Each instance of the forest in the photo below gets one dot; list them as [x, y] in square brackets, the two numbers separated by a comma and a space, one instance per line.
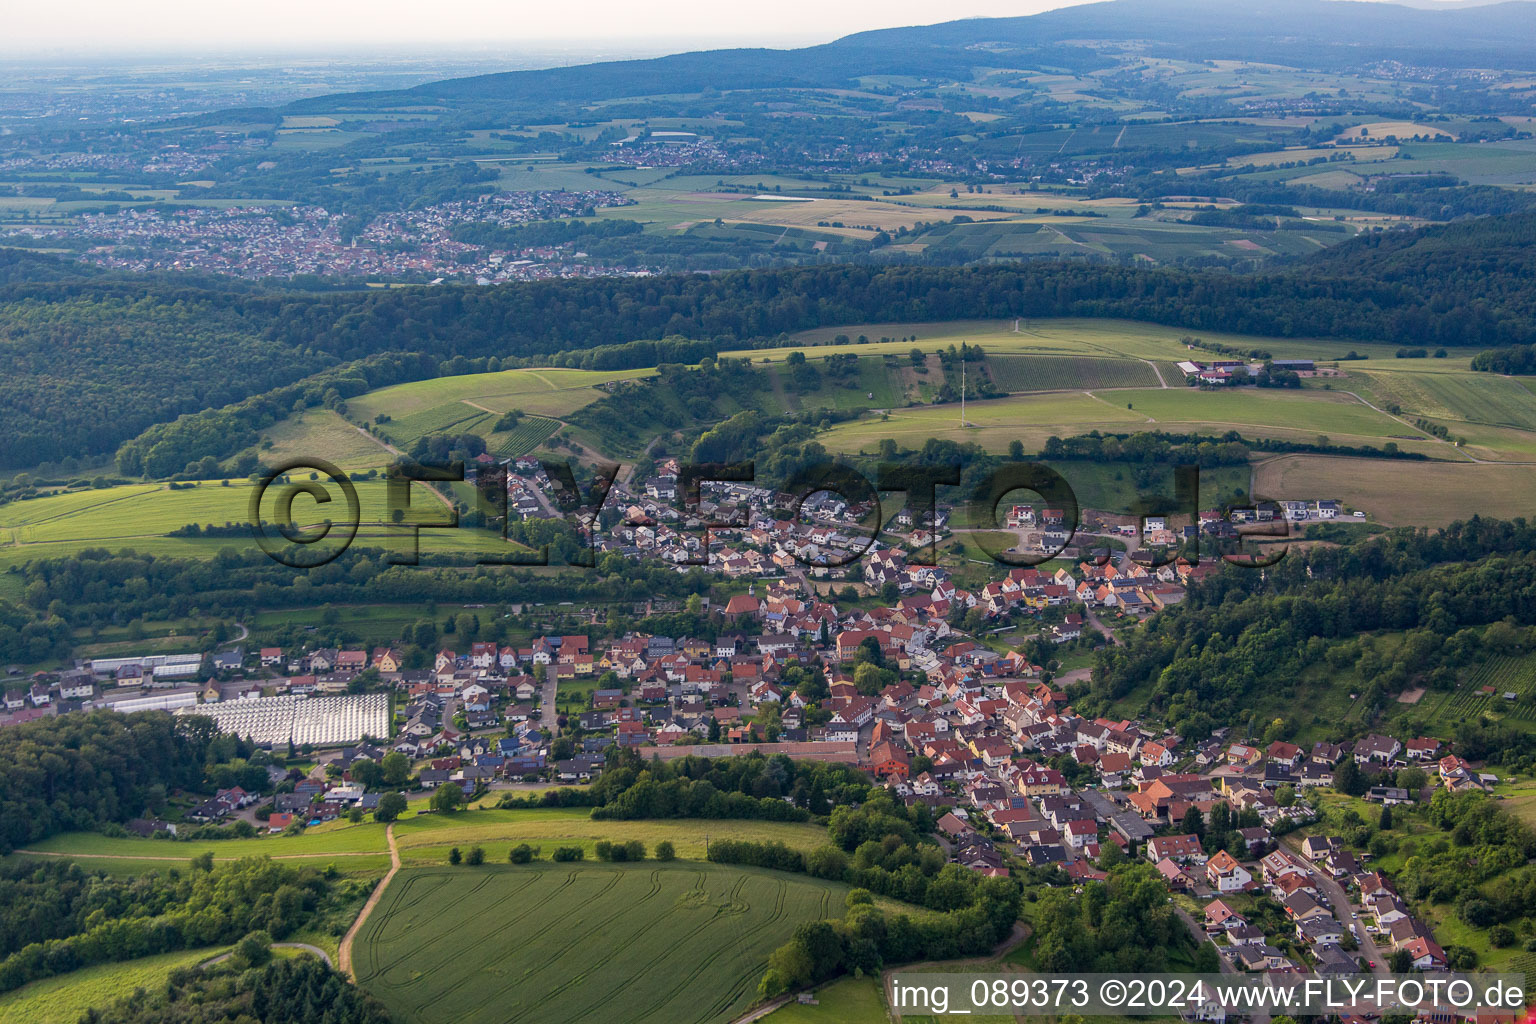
[81, 771]
[1121, 924]
[1242, 632]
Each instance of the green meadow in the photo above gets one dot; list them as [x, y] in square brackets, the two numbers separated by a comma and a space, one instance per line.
[65, 998]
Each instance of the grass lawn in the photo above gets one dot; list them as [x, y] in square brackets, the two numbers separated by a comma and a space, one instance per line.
[992, 423]
[544, 392]
[1520, 799]
[330, 839]
[1062, 336]
[1319, 412]
[1112, 487]
[671, 943]
[63, 999]
[322, 433]
[369, 622]
[845, 1001]
[425, 839]
[1451, 930]
[574, 694]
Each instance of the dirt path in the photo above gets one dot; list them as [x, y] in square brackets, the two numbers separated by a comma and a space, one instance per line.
[439, 495]
[345, 952]
[764, 1010]
[1430, 437]
[1112, 405]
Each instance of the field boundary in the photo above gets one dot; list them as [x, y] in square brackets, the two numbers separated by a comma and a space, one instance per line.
[344, 952]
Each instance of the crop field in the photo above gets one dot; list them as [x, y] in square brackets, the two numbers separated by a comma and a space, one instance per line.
[139, 510]
[427, 838]
[1506, 162]
[1025, 201]
[1054, 373]
[1300, 416]
[1150, 239]
[1473, 397]
[1063, 336]
[64, 998]
[530, 432]
[565, 944]
[1400, 493]
[1484, 690]
[454, 418]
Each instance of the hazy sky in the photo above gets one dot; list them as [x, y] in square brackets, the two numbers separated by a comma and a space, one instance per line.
[84, 26]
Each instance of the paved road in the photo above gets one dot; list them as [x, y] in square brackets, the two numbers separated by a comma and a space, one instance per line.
[1341, 909]
[1198, 933]
[345, 952]
[1098, 624]
[306, 947]
[547, 694]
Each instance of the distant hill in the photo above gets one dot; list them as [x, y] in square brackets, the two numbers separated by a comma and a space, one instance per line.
[1228, 27]
[1306, 33]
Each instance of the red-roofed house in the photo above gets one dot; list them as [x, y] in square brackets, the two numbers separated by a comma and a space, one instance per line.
[1180, 849]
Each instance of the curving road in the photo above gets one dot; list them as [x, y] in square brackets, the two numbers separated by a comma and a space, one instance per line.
[306, 947]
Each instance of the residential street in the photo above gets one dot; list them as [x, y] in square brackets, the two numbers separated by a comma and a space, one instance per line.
[547, 692]
[1339, 900]
[1098, 624]
[1199, 935]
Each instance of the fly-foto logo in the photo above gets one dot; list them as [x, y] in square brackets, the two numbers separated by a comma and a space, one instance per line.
[577, 497]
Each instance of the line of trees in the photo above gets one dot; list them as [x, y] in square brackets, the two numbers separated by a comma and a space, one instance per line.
[1518, 360]
[974, 913]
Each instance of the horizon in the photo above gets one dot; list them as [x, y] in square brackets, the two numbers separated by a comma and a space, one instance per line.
[174, 29]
